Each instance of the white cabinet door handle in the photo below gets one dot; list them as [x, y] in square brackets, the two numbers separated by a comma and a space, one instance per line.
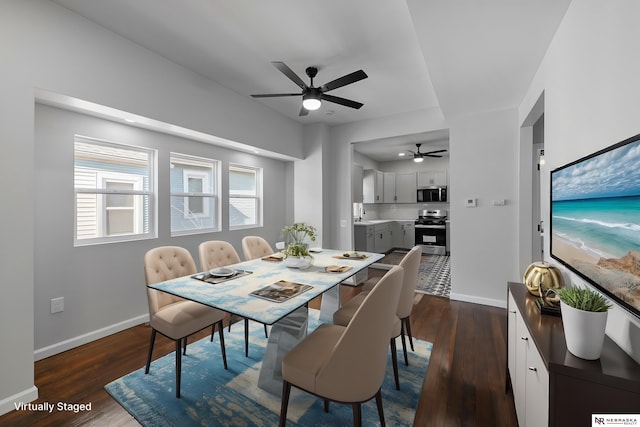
[524, 338]
[512, 311]
[531, 368]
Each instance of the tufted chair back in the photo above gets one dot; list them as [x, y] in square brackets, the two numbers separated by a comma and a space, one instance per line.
[217, 253]
[165, 263]
[411, 264]
[255, 247]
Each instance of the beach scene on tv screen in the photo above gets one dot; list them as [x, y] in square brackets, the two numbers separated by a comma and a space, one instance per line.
[595, 220]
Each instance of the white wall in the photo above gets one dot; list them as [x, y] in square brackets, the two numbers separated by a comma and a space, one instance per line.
[103, 285]
[308, 178]
[589, 77]
[484, 166]
[45, 46]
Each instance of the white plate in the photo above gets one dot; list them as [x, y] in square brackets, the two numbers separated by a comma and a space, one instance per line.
[315, 250]
[222, 272]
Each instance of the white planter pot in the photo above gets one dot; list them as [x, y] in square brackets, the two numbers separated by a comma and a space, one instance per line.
[300, 262]
[584, 331]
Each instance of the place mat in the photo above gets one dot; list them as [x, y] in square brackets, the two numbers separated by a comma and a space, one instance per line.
[273, 257]
[337, 268]
[214, 280]
[348, 255]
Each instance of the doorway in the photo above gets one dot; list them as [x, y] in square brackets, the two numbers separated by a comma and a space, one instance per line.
[532, 179]
[537, 229]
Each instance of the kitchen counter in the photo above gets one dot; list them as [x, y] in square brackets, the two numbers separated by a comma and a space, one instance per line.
[373, 221]
[380, 221]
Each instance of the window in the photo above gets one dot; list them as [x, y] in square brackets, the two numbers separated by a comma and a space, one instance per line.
[245, 194]
[114, 200]
[194, 195]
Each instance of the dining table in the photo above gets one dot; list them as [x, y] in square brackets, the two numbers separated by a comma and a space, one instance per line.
[266, 290]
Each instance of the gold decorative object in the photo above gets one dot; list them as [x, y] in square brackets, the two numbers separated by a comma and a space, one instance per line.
[541, 277]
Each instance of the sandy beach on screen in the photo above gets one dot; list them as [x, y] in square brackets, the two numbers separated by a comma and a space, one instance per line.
[569, 252]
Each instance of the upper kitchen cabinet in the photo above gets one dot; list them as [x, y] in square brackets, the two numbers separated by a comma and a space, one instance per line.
[399, 187]
[372, 189]
[357, 181]
[429, 178]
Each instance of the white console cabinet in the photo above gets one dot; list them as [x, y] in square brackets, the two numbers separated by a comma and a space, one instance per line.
[529, 377]
[553, 387]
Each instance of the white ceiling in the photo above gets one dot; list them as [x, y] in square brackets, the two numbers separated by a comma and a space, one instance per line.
[461, 56]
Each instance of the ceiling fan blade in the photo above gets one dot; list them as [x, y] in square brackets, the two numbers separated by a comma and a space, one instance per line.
[431, 155]
[284, 69]
[344, 80]
[341, 101]
[272, 95]
[434, 152]
[303, 112]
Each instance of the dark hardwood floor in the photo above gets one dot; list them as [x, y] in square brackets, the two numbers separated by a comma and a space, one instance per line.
[464, 385]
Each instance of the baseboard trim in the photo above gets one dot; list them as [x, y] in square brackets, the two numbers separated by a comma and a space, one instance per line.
[43, 353]
[478, 300]
[9, 404]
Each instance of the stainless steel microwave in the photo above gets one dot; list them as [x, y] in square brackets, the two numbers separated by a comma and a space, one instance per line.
[432, 194]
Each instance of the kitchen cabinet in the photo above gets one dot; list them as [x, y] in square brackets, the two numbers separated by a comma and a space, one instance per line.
[357, 181]
[553, 387]
[399, 187]
[403, 234]
[364, 238]
[389, 188]
[383, 237]
[396, 234]
[408, 234]
[429, 178]
[372, 186]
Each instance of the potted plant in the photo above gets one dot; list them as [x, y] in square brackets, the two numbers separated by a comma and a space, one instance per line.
[584, 316]
[296, 252]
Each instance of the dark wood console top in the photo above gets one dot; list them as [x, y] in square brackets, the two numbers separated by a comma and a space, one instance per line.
[615, 368]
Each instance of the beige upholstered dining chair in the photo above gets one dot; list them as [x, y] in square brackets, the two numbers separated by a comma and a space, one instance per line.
[347, 363]
[255, 247]
[174, 317]
[218, 253]
[401, 323]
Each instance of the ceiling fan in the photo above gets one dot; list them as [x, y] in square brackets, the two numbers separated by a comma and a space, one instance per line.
[418, 156]
[312, 97]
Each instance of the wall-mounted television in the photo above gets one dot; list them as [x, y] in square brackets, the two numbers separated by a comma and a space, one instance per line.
[595, 220]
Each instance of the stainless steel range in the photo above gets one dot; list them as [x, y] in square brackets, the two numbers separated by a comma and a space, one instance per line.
[431, 231]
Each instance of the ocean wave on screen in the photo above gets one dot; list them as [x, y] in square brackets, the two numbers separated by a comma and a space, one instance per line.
[582, 246]
[625, 226]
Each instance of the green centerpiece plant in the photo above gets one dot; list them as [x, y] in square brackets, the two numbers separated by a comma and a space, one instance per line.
[297, 250]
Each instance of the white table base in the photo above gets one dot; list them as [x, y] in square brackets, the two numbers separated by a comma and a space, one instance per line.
[285, 334]
[331, 302]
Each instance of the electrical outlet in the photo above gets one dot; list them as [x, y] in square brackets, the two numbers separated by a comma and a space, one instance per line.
[57, 305]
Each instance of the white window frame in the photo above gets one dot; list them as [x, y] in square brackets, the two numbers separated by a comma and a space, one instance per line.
[257, 197]
[137, 181]
[210, 189]
[188, 174]
[138, 191]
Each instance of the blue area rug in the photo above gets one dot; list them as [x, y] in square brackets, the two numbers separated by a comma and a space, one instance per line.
[212, 396]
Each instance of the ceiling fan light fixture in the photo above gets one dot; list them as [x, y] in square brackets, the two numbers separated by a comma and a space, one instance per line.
[311, 104]
[418, 159]
[311, 99]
